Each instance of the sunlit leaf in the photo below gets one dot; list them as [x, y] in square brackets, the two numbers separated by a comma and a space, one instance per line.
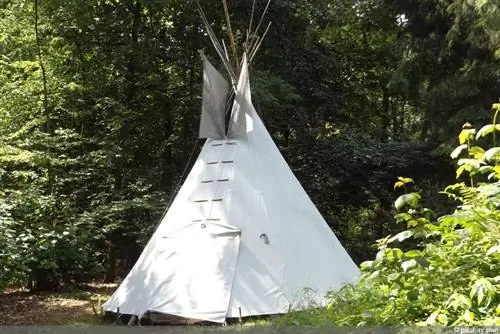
[457, 301]
[398, 184]
[409, 264]
[457, 151]
[493, 250]
[442, 319]
[412, 223]
[469, 316]
[487, 129]
[402, 236]
[465, 135]
[477, 152]
[366, 265]
[405, 179]
[474, 163]
[393, 276]
[492, 154]
[411, 200]
[402, 181]
[413, 253]
[482, 288]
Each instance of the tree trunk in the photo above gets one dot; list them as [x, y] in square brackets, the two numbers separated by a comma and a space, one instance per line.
[386, 123]
[111, 261]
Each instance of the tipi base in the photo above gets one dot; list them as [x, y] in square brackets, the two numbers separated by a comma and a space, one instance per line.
[161, 319]
[154, 319]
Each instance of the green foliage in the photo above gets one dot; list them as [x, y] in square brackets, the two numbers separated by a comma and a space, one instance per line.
[44, 242]
[436, 271]
[450, 64]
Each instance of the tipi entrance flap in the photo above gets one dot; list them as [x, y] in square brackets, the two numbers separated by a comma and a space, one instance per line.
[199, 267]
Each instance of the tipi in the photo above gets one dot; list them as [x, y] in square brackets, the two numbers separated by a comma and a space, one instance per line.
[242, 237]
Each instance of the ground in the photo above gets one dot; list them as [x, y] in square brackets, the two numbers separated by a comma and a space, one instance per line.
[73, 306]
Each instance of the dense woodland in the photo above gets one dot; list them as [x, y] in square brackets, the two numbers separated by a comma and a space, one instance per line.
[99, 113]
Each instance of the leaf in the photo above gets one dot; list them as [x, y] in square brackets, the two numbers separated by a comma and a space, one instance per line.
[456, 152]
[413, 253]
[485, 169]
[477, 152]
[468, 316]
[393, 276]
[474, 163]
[442, 318]
[410, 200]
[366, 265]
[410, 264]
[403, 217]
[402, 182]
[422, 261]
[487, 129]
[465, 135]
[493, 250]
[457, 301]
[405, 179]
[402, 236]
[431, 320]
[391, 254]
[398, 184]
[492, 154]
[375, 274]
[395, 253]
[460, 170]
[482, 288]
[412, 223]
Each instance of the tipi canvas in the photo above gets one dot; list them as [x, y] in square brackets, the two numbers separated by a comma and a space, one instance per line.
[242, 237]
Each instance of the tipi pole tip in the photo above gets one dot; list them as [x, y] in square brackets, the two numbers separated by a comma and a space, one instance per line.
[230, 31]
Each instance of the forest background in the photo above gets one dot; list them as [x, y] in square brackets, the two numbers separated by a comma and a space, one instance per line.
[100, 103]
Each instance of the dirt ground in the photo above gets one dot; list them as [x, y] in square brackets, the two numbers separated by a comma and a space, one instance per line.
[70, 307]
[75, 306]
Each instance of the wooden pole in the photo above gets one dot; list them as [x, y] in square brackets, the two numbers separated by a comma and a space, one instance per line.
[231, 35]
[249, 31]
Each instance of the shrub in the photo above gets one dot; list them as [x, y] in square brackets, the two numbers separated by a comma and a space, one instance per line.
[438, 270]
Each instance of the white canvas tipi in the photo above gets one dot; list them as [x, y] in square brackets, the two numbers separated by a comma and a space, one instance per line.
[242, 237]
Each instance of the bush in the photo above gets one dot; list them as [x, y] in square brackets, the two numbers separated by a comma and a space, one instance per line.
[438, 270]
[36, 253]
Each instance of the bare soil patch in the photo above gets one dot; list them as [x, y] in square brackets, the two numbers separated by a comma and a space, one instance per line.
[70, 307]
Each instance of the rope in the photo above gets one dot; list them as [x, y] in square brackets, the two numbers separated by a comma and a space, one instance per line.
[177, 187]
